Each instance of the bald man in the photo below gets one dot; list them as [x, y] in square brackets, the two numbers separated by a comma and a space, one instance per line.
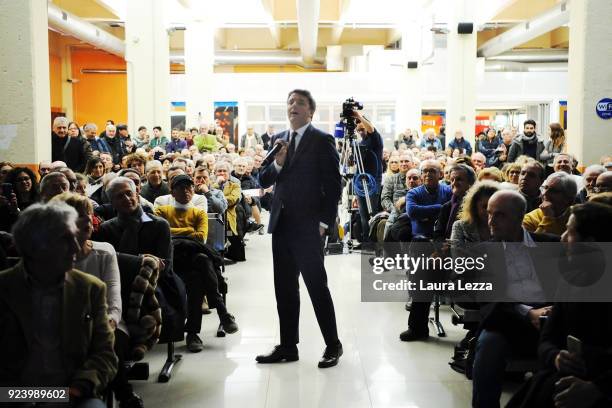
[509, 328]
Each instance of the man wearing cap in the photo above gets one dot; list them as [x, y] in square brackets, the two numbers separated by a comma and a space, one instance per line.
[187, 220]
[197, 200]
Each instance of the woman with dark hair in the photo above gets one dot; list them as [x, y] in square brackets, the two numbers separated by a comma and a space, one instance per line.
[94, 170]
[24, 193]
[74, 130]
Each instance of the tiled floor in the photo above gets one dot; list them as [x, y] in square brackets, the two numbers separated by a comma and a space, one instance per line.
[377, 370]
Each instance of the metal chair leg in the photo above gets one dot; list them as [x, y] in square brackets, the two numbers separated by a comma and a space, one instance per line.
[171, 360]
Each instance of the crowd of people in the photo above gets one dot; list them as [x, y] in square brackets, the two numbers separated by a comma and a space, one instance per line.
[511, 188]
[137, 213]
[126, 206]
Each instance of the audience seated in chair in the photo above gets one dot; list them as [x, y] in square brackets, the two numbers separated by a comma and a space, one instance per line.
[155, 186]
[216, 200]
[509, 329]
[393, 196]
[193, 265]
[137, 236]
[100, 260]
[423, 205]
[235, 224]
[197, 200]
[558, 194]
[55, 326]
[569, 379]
[53, 184]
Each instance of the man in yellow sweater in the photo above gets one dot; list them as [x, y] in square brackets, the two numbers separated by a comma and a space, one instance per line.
[558, 195]
[184, 218]
[199, 274]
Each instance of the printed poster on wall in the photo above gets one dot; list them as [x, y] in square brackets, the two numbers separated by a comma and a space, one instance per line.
[226, 116]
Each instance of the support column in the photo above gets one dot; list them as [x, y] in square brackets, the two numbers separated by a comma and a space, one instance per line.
[147, 57]
[67, 102]
[199, 70]
[461, 103]
[410, 97]
[25, 117]
[590, 70]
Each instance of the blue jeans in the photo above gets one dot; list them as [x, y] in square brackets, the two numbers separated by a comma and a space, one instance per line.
[492, 351]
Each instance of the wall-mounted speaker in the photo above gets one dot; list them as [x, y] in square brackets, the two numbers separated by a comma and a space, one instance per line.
[465, 28]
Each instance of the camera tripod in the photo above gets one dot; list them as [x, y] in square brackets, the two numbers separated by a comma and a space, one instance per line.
[353, 171]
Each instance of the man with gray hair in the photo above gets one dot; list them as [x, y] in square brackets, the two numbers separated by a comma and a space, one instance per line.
[116, 146]
[565, 162]
[430, 140]
[423, 206]
[54, 183]
[75, 152]
[97, 144]
[589, 178]
[509, 328]
[133, 231]
[558, 194]
[393, 195]
[54, 319]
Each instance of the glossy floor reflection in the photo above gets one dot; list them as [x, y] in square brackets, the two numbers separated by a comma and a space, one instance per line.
[377, 370]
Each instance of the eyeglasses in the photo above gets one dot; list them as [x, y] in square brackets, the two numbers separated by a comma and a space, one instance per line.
[429, 171]
[601, 189]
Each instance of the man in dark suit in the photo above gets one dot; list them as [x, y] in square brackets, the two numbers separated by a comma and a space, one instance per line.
[510, 327]
[307, 182]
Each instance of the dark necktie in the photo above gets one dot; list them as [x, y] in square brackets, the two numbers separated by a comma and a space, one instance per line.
[291, 148]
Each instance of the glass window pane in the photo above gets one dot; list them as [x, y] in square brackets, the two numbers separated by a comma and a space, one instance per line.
[256, 113]
[278, 113]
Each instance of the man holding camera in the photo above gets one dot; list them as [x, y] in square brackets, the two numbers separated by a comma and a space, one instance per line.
[306, 176]
[371, 147]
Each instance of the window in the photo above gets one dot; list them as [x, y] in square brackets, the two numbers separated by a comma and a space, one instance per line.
[261, 114]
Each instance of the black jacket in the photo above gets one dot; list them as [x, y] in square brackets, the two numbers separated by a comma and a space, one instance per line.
[75, 152]
[307, 189]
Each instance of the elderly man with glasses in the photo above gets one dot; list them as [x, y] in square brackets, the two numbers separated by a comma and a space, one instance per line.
[558, 194]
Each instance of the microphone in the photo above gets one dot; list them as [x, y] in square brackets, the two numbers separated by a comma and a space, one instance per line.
[270, 156]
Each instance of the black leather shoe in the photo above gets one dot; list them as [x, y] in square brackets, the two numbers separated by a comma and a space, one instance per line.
[411, 335]
[279, 354]
[331, 356]
[132, 400]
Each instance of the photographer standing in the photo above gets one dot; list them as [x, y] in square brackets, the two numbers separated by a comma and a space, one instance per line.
[371, 147]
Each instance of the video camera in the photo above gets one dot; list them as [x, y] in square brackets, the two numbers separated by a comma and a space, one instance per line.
[348, 120]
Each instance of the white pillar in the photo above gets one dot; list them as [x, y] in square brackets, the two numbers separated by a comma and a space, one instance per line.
[148, 64]
[410, 96]
[590, 80]
[199, 70]
[461, 103]
[25, 117]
